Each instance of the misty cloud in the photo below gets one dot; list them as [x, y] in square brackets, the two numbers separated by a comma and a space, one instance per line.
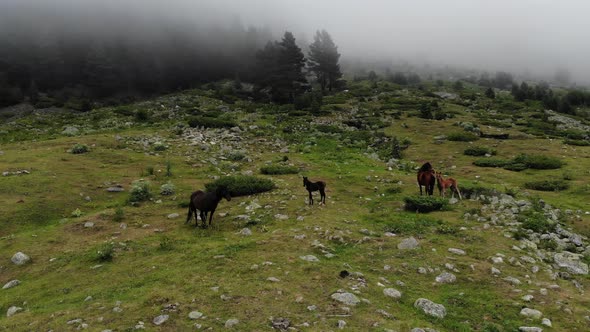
[537, 36]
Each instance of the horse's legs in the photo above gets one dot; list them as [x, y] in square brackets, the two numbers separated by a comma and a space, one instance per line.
[310, 198]
[190, 214]
[211, 216]
[322, 196]
[203, 219]
[419, 185]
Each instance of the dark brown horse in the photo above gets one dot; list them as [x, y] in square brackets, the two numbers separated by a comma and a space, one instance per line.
[443, 184]
[315, 186]
[206, 202]
[426, 178]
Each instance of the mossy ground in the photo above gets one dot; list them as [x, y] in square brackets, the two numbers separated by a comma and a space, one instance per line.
[217, 271]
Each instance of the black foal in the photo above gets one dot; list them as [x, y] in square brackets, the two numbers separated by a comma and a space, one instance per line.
[315, 186]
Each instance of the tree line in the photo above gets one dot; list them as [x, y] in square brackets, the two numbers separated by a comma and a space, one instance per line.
[57, 68]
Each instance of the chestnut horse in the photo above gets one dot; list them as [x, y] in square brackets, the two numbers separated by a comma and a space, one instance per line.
[426, 178]
[206, 202]
[443, 184]
[315, 186]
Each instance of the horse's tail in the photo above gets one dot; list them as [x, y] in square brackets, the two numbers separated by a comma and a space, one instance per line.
[190, 213]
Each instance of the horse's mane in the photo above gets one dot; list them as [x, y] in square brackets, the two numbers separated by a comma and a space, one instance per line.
[426, 167]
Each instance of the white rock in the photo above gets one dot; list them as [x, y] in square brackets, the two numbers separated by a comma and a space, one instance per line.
[231, 322]
[408, 243]
[20, 258]
[456, 251]
[546, 322]
[446, 278]
[173, 215]
[195, 315]
[430, 308]
[159, 320]
[13, 310]
[392, 292]
[346, 298]
[531, 313]
[309, 258]
[11, 283]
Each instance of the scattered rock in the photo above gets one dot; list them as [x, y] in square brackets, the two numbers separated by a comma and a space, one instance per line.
[546, 322]
[245, 232]
[20, 258]
[341, 324]
[173, 215]
[309, 258]
[393, 293]
[115, 189]
[531, 313]
[446, 278]
[530, 329]
[430, 308]
[13, 310]
[88, 224]
[11, 283]
[570, 262]
[346, 298]
[408, 243]
[231, 322]
[456, 251]
[159, 320]
[195, 315]
[281, 324]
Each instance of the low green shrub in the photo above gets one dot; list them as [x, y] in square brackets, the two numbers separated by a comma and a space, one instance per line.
[241, 185]
[475, 190]
[411, 224]
[119, 214]
[548, 244]
[536, 221]
[393, 190]
[478, 151]
[490, 162]
[236, 156]
[79, 149]
[210, 122]
[278, 170]
[104, 252]
[547, 185]
[167, 189]
[425, 203]
[577, 142]
[140, 191]
[538, 161]
[462, 137]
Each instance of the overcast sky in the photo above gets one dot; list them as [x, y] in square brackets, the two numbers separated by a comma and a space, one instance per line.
[515, 35]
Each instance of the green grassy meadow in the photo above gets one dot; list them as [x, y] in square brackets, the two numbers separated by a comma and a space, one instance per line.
[159, 265]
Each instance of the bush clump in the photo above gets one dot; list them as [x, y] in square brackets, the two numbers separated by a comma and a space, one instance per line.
[210, 122]
[479, 151]
[462, 137]
[278, 170]
[79, 149]
[537, 222]
[491, 162]
[140, 191]
[547, 185]
[425, 203]
[104, 253]
[241, 185]
[411, 225]
[577, 142]
[538, 161]
[167, 189]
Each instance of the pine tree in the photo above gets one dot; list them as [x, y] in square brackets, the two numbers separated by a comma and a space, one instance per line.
[490, 93]
[291, 61]
[323, 60]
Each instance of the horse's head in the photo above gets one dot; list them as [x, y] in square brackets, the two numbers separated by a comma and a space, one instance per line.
[305, 180]
[223, 192]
